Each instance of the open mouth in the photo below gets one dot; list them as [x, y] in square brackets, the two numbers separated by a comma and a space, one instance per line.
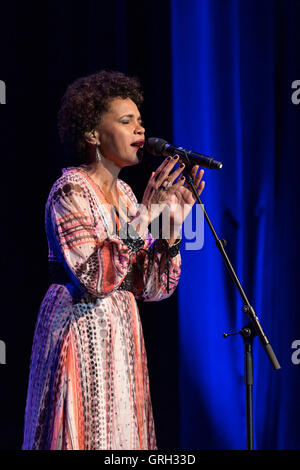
[138, 144]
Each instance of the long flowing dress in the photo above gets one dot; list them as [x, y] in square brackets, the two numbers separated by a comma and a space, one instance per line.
[88, 380]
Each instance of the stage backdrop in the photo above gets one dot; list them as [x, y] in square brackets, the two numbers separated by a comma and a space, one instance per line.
[234, 64]
[217, 76]
[44, 48]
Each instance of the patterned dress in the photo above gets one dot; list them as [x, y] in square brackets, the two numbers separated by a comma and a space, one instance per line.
[88, 382]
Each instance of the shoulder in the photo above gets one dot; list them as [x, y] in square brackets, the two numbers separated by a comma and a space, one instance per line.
[71, 182]
[71, 176]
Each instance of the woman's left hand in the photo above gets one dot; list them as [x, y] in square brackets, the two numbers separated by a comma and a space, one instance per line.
[181, 201]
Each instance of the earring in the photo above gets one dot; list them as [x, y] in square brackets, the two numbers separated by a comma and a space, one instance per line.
[98, 154]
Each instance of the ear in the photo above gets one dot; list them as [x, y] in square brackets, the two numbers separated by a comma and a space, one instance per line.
[92, 137]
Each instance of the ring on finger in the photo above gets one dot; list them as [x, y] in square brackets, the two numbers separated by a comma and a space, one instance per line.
[166, 185]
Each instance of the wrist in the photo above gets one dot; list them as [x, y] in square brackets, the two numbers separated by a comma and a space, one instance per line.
[175, 235]
[172, 241]
[131, 237]
[163, 246]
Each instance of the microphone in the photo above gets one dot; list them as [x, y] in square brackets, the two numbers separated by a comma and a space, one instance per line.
[160, 147]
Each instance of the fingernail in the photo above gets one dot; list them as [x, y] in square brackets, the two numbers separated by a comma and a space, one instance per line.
[182, 178]
[181, 165]
[169, 158]
[175, 157]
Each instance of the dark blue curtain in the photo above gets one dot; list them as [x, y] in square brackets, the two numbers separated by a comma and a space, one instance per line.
[233, 67]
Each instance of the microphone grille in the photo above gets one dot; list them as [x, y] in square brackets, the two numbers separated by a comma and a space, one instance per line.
[155, 145]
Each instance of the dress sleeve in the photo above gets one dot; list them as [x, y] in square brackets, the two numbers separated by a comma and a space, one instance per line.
[160, 268]
[99, 261]
[156, 267]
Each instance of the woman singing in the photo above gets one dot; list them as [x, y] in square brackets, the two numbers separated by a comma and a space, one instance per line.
[88, 383]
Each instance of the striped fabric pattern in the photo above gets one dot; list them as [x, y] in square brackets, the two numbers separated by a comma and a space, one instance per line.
[88, 381]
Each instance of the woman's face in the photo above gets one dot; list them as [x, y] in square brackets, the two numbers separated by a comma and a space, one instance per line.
[121, 133]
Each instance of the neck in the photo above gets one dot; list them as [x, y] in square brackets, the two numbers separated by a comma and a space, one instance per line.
[105, 174]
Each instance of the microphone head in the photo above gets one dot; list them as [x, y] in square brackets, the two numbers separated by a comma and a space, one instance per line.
[155, 146]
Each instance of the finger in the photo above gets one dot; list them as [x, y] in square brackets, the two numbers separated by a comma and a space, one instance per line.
[199, 178]
[195, 171]
[162, 166]
[149, 184]
[197, 175]
[164, 173]
[201, 187]
[194, 175]
[179, 183]
[176, 173]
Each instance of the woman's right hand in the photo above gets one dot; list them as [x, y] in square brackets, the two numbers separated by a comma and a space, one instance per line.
[157, 194]
[161, 186]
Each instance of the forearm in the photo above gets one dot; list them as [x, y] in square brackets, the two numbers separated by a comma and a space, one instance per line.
[143, 218]
[174, 233]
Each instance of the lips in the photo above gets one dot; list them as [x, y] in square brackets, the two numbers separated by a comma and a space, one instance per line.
[138, 144]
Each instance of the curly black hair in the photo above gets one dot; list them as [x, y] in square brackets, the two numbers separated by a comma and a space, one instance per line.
[86, 100]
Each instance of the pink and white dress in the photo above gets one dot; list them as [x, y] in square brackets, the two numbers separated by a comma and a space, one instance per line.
[88, 382]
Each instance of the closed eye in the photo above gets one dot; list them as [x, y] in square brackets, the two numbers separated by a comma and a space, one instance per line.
[131, 117]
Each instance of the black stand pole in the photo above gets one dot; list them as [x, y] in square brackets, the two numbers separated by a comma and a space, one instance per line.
[248, 334]
[255, 326]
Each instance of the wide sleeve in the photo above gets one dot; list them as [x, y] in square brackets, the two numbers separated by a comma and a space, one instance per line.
[92, 257]
[159, 268]
[156, 268]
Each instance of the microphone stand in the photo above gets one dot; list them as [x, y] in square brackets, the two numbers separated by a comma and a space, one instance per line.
[249, 331]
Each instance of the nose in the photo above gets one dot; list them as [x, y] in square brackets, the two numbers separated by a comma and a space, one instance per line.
[139, 129]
